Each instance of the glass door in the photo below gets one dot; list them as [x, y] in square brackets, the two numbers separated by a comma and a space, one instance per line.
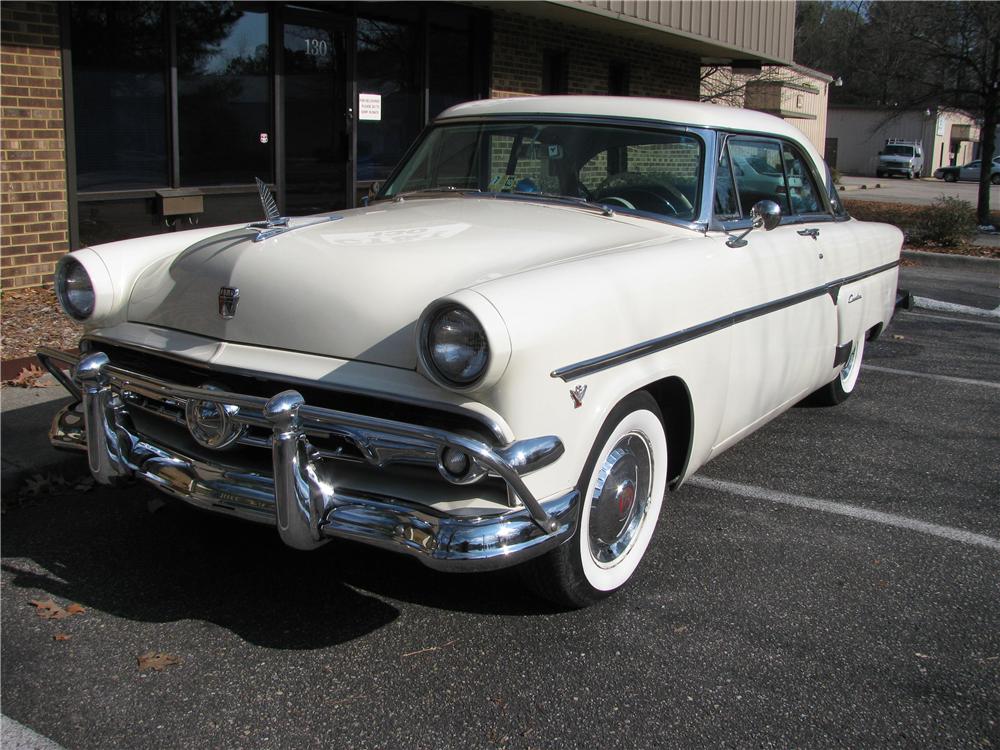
[317, 121]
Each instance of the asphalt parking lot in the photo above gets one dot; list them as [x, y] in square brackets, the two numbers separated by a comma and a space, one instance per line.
[832, 581]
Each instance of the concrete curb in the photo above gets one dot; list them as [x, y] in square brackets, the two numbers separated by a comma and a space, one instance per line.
[947, 260]
[15, 736]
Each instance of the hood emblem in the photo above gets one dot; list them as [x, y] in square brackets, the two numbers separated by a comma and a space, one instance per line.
[229, 298]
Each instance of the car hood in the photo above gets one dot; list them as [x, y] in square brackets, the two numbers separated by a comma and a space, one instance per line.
[353, 288]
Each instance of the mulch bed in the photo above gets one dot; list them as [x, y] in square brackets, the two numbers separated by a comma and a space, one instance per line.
[30, 318]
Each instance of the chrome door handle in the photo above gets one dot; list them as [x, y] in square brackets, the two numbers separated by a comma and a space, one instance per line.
[814, 233]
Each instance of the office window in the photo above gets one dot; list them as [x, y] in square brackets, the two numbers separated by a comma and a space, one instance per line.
[387, 69]
[223, 94]
[119, 95]
[555, 73]
[451, 69]
[618, 79]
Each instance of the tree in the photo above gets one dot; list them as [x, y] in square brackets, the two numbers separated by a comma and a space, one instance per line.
[911, 55]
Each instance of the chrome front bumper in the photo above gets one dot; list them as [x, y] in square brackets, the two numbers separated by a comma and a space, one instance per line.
[302, 495]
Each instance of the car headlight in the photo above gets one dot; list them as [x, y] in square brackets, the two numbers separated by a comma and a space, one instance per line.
[74, 289]
[455, 345]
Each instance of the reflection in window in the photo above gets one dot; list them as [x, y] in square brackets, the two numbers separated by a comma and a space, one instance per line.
[758, 169]
[119, 94]
[727, 206]
[386, 66]
[224, 99]
[648, 171]
[802, 191]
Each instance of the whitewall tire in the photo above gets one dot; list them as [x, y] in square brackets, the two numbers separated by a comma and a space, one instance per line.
[621, 493]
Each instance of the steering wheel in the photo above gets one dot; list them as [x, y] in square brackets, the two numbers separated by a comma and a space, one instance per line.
[634, 191]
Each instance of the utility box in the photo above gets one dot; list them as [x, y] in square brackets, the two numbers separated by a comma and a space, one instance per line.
[180, 201]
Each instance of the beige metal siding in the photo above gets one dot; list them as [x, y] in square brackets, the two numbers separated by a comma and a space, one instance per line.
[757, 27]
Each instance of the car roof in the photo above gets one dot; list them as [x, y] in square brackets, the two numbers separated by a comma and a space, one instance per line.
[678, 111]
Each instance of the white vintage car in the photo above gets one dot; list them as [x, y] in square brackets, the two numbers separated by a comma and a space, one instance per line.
[555, 309]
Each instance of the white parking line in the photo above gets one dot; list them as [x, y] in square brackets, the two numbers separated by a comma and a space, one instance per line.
[932, 304]
[843, 509]
[932, 316]
[931, 376]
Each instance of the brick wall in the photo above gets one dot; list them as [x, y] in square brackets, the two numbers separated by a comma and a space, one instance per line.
[33, 210]
[519, 43]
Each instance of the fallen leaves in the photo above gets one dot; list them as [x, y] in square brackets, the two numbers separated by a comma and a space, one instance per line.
[49, 610]
[29, 377]
[156, 660]
[61, 637]
[32, 318]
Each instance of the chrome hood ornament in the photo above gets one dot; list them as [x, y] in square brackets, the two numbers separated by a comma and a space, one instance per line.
[274, 223]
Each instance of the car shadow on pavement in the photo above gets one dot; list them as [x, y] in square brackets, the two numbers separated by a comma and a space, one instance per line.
[105, 550]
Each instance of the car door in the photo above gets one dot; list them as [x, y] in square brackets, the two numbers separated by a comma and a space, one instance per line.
[970, 171]
[784, 324]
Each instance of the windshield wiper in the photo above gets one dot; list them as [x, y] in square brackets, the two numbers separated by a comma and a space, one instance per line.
[572, 199]
[431, 190]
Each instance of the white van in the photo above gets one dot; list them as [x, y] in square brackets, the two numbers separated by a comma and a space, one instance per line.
[900, 157]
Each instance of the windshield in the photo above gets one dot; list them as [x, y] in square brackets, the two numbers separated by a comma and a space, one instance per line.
[899, 150]
[628, 168]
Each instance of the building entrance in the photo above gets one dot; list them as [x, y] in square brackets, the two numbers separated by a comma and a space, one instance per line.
[317, 118]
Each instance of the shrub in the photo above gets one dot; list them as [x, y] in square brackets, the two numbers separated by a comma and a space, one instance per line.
[946, 222]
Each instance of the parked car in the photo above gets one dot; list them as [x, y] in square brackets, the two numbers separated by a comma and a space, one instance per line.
[555, 309]
[970, 171]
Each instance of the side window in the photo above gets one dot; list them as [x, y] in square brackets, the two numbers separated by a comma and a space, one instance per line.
[727, 205]
[802, 192]
[759, 173]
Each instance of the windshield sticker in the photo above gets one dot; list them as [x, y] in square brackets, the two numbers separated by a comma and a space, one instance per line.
[502, 183]
[396, 236]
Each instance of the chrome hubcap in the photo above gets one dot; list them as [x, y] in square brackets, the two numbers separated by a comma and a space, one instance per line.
[845, 373]
[620, 499]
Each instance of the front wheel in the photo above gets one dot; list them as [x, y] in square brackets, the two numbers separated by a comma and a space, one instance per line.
[995, 179]
[951, 177]
[838, 390]
[621, 491]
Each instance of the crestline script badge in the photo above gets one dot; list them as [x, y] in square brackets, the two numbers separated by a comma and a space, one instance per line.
[229, 298]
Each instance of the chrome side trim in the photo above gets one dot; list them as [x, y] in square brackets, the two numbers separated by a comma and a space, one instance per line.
[613, 359]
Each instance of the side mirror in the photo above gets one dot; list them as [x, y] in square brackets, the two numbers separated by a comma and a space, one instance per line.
[765, 214]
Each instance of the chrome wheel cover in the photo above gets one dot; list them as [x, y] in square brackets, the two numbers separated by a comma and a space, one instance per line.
[848, 370]
[620, 499]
